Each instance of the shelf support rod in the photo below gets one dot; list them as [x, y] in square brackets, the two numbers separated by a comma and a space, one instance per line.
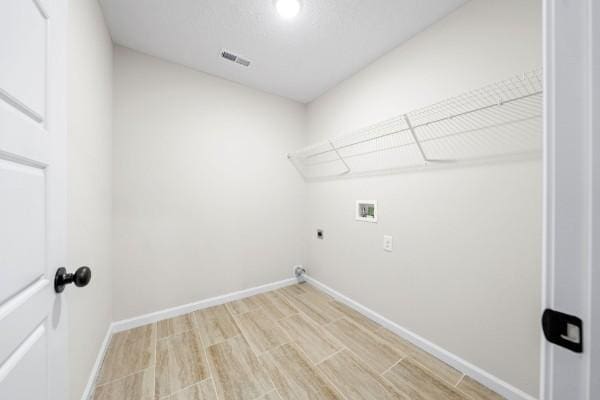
[340, 157]
[295, 164]
[416, 139]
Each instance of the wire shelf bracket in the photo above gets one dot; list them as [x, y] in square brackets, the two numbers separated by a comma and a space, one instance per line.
[337, 153]
[418, 144]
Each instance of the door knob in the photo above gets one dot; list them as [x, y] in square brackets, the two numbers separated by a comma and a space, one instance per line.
[80, 278]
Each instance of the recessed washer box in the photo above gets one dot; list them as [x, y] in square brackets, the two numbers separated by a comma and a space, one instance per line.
[366, 210]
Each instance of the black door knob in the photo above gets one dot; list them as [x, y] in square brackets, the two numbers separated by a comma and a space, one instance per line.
[80, 278]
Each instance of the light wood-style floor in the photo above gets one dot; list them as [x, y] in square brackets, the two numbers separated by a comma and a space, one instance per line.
[292, 343]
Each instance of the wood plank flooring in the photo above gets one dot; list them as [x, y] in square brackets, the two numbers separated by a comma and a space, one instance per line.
[292, 343]
[180, 362]
[312, 339]
[295, 377]
[237, 372]
[356, 380]
[261, 332]
[129, 352]
[414, 381]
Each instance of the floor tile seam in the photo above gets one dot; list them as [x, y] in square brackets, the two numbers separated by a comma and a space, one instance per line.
[123, 377]
[266, 371]
[326, 378]
[194, 327]
[436, 374]
[344, 348]
[182, 389]
[400, 353]
[460, 380]
[318, 371]
[155, 394]
[312, 322]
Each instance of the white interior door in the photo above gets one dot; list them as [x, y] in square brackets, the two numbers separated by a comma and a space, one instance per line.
[572, 194]
[32, 199]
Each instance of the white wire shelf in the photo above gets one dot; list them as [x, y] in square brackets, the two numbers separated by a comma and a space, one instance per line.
[498, 121]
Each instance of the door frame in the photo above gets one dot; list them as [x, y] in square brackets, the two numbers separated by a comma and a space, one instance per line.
[58, 349]
[571, 231]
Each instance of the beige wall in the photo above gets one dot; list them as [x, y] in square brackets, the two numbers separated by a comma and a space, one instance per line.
[465, 270]
[205, 201]
[89, 182]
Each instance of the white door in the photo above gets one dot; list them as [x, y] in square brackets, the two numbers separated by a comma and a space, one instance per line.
[32, 199]
[572, 196]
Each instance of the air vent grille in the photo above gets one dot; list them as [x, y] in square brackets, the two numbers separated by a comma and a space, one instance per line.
[234, 58]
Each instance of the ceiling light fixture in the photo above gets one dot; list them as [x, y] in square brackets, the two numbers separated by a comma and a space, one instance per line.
[287, 8]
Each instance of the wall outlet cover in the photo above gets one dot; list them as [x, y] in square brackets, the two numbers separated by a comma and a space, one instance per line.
[388, 243]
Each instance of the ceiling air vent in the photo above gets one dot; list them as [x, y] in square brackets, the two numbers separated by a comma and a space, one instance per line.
[234, 58]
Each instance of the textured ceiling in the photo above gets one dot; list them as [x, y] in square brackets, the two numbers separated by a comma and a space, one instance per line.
[299, 58]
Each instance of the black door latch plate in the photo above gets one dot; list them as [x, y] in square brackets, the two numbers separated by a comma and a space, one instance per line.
[563, 330]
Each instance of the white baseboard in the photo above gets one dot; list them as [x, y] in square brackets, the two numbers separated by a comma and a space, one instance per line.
[198, 305]
[89, 387]
[498, 385]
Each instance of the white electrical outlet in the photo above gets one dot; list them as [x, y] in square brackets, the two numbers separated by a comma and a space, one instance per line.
[388, 243]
